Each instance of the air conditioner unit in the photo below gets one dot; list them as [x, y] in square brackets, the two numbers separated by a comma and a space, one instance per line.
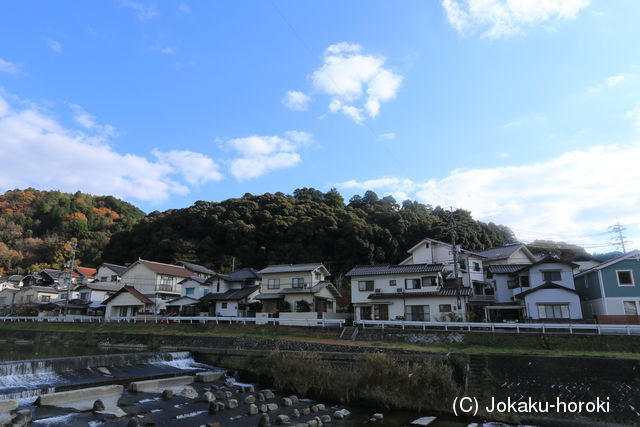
[378, 291]
[399, 290]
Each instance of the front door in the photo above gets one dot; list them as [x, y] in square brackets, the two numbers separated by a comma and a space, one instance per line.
[365, 313]
[381, 312]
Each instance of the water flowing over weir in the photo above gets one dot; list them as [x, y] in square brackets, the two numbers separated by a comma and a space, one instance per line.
[27, 379]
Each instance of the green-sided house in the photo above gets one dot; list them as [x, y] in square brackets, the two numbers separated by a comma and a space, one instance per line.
[611, 288]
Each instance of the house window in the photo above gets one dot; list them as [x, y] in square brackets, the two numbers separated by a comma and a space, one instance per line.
[273, 284]
[476, 266]
[297, 282]
[317, 276]
[3, 301]
[445, 308]
[365, 285]
[392, 282]
[524, 281]
[206, 291]
[417, 313]
[429, 281]
[103, 278]
[463, 264]
[114, 278]
[625, 277]
[329, 305]
[123, 311]
[553, 311]
[551, 276]
[85, 296]
[630, 308]
[189, 291]
[412, 284]
[61, 296]
[166, 283]
[224, 305]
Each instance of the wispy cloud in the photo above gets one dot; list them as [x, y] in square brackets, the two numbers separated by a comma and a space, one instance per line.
[635, 116]
[260, 155]
[577, 192]
[607, 83]
[389, 136]
[45, 146]
[144, 11]
[296, 101]
[499, 18]
[54, 45]
[9, 67]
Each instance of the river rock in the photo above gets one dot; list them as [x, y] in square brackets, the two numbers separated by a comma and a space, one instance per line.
[372, 420]
[133, 422]
[282, 419]
[286, 401]
[221, 406]
[253, 409]
[295, 413]
[250, 399]
[261, 397]
[272, 406]
[98, 405]
[312, 423]
[213, 407]
[214, 387]
[103, 370]
[424, 421]
[326, 419]
[294, 399]
[189, 392]
[263, 408]
[232, 403]
[378, 416]
[314, 408]
[228, 394]
[220, 394]
[305, 411]
[321, 407]
[264, 421]
[22, 417]
[167, 394]
[338, 415]
[268, 394]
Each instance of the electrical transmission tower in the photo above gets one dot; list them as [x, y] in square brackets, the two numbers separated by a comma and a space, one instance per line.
[618, 238]
[451, 225]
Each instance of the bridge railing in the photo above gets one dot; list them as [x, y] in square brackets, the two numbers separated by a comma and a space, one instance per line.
[518, 328]
[181, 319]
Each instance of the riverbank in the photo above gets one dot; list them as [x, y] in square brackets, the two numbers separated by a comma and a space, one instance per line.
[619, 347]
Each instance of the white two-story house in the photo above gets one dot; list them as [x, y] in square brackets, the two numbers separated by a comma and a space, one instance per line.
[297, 288]
[527, 288]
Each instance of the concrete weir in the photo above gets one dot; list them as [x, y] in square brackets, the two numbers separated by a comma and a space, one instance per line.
[159, 385]
[83, 399]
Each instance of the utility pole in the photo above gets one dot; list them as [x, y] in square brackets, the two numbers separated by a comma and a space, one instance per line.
[619, 239]
[454, 251]
[71, 245]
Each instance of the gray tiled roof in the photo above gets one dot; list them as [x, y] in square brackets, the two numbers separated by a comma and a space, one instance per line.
[243, 274]
[118, 269]
[196, 268]
[231, 295]
[501, 252]
[388, 269]
[290, 268]
[196, 279]
[506, 268]
[445, 292]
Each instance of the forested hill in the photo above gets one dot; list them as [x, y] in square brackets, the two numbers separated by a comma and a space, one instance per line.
[307, 226]
[34, 224]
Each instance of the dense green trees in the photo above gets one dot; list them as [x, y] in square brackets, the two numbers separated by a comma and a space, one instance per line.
[307, 226]
[33, 224]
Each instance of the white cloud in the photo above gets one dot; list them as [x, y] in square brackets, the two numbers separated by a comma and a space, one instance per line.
[356, 83]
[389, 136]
[184, 8]
[505, 155]
[167, 51]
[144, 11]
[635, 116]
[55, 157]
[88, 121]
[497, 18]
[9, 67]
[578, 192]
[54, 45]
[296, 101]
[260, 155]
[607, 83]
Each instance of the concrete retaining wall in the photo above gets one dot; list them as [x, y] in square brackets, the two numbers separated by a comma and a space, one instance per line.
[154, 386]
[81, 399]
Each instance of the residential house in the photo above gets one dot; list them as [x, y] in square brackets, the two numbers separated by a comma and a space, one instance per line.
[232, 294]
[412, 292]
[156, 281]
[83, 275]
[94, 294]
[12, 281]
[197, 270]
[128, 301]
[7, 296]
[469, 269]
[612, 288]
[530, 288]
[296, 288]
[28, 299]
[108, 272]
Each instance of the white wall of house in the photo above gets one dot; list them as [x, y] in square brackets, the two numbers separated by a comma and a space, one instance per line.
[227, 308]
[32, 296]
[286, 280]
[141, 278]
[384, 284]
[106, 275]
[437, 307]
[615, 305]
[553, 296]
[125, 299]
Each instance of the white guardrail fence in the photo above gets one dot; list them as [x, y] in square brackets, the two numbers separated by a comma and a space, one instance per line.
[517, 328]
[190, 320]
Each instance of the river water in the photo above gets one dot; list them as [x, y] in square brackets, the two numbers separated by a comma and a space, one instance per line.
[26, 380]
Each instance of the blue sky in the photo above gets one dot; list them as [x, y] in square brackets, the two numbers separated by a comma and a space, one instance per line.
[524, 112]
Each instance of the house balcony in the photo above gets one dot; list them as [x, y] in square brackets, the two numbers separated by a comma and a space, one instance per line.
[482, 299]
[167, 288]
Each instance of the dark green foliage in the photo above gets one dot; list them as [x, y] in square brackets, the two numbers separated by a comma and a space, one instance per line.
[33, 224]
[307, 226]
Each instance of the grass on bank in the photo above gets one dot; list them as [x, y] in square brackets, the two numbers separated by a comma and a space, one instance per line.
[627, 347]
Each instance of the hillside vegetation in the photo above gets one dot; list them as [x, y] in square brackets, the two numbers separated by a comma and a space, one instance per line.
[257, 230]
[34, 224]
